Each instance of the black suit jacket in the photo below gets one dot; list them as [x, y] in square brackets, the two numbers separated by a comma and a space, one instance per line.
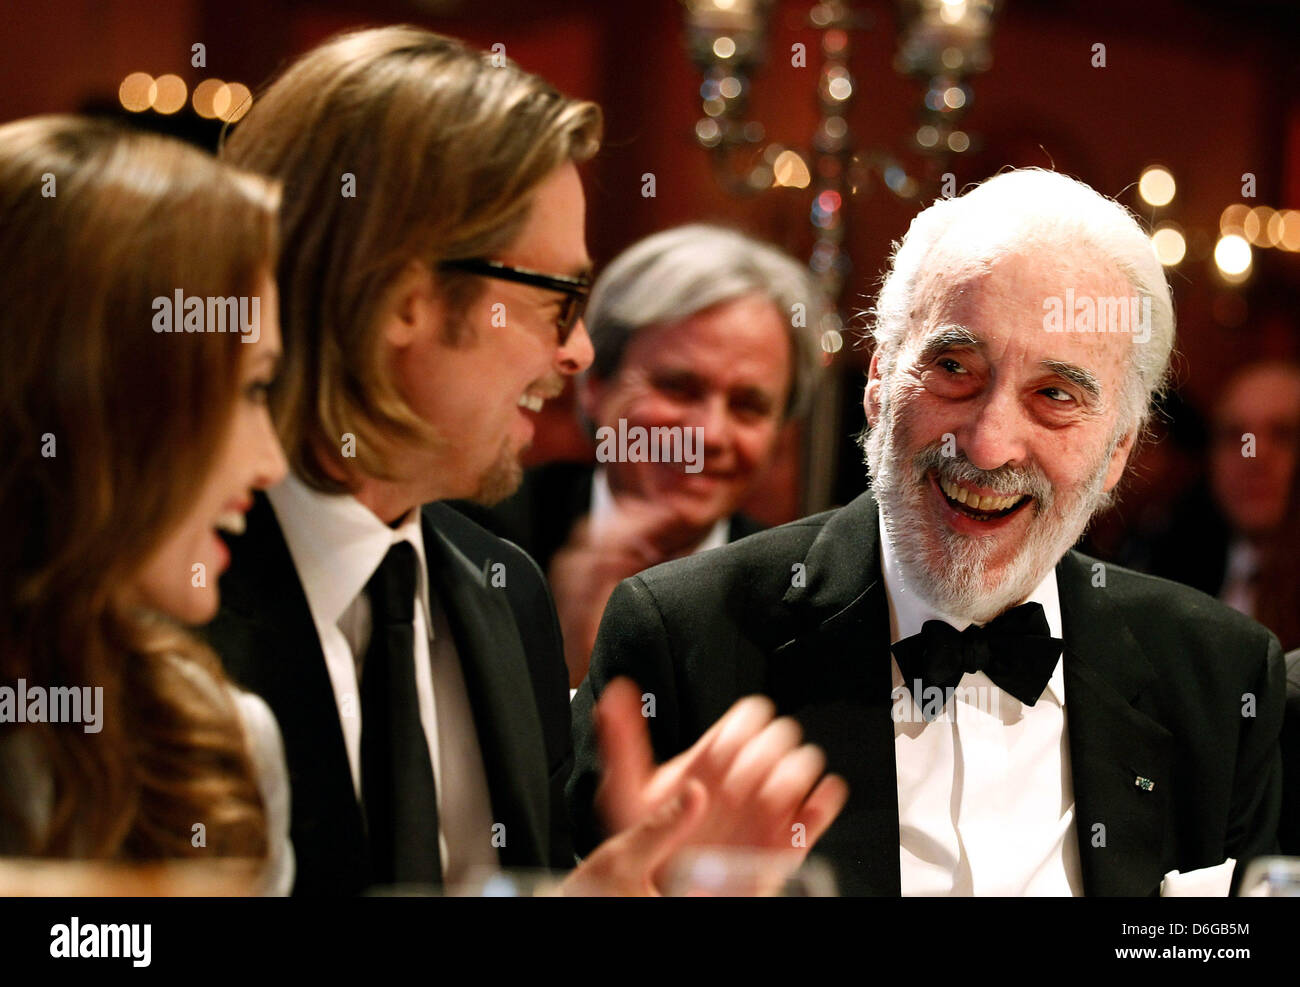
[1155, 675]
[1288, 831]
[508, 642]
[552, 499]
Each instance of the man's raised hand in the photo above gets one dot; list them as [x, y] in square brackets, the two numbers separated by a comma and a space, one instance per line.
[765, 789]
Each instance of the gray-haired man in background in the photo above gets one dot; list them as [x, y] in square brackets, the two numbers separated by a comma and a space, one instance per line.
[705, 349]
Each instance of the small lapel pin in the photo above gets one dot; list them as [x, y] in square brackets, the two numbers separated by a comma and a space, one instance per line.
[1146, 784]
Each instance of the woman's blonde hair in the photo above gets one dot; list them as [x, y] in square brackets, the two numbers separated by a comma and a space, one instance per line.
[109, 430]
[393, 145]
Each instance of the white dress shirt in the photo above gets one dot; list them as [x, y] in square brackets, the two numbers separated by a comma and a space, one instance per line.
[985, 796]
[1239, 578]
[266, 749]
[337, 544]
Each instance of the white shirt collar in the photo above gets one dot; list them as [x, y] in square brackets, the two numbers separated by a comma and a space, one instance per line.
[1243, 561]
[908, 612]
[604, 507]
[337, 544]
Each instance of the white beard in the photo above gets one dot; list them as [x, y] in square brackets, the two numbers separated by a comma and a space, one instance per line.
[951, 571]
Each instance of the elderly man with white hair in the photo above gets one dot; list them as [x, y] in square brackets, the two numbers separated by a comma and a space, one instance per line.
[1012, 717]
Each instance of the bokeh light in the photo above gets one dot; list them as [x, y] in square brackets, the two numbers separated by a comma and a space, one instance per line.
[134, 92]
[1169, 244]
[169, 92]
[1232, 256]
[1157, 186]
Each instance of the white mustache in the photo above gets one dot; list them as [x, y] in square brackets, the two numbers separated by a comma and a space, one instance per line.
[1005, 480]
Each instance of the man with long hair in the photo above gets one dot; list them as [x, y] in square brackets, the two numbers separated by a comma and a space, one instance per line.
[433, 274]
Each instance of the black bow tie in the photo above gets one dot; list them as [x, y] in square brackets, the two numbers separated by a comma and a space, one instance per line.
[1015, 650]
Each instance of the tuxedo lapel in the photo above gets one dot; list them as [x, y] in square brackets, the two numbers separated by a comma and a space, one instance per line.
[834, 677]
[498, 681]
[268, 642]
[1121, 758]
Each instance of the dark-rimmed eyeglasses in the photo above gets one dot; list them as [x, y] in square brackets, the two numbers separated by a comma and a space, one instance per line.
[574, 289]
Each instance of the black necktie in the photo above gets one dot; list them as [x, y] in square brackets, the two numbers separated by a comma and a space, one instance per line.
[1015, 650]
[397, 786]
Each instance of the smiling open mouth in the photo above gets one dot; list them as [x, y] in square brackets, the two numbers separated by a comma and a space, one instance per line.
[977, 507]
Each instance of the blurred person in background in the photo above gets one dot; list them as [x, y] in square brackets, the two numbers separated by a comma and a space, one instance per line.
[1277, 607]
[697, 327]
[1235, 537]
[130, 451]
[1256, 434]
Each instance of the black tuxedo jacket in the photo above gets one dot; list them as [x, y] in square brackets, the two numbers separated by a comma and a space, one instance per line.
[1288, 831]
[508, 641]
[1155, 675]
[552, 499]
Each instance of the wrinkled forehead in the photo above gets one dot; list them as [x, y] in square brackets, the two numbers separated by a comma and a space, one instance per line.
[1012, 268]
[1047, 302]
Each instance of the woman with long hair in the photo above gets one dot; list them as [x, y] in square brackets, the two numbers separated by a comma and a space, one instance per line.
[134, 428]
